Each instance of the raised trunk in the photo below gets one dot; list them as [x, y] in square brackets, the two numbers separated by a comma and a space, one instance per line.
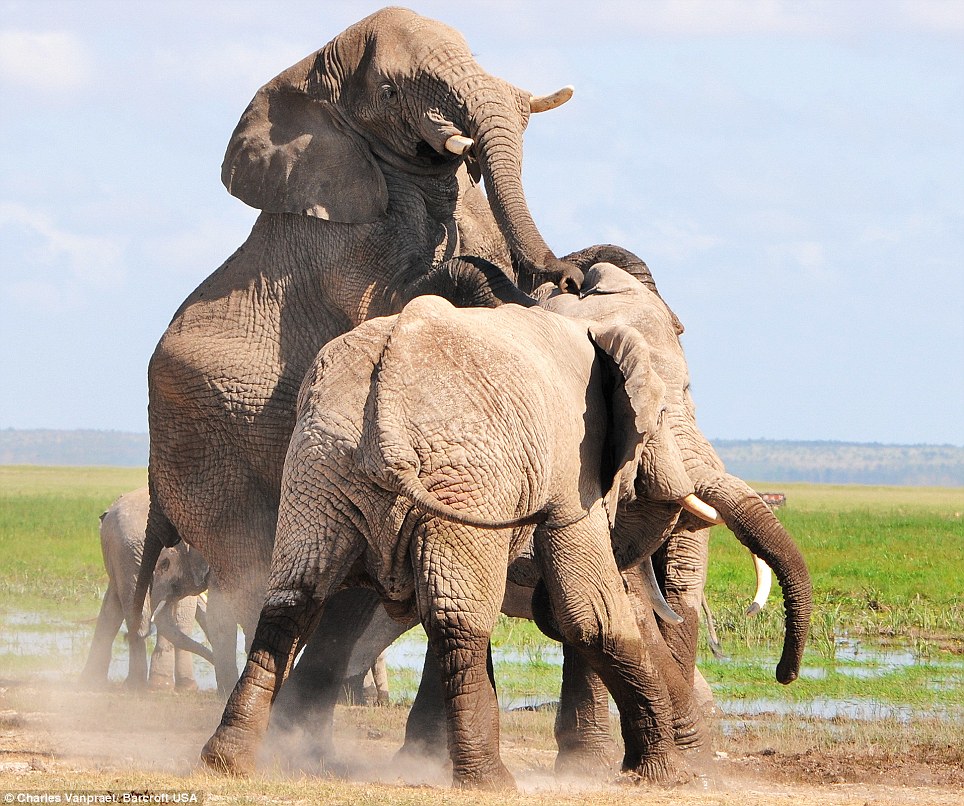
[756, 527]
[498, 138]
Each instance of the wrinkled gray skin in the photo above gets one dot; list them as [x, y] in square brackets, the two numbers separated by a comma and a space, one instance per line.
[611, 297]
[180, 575]
[643, 528]
[431, 450]
[344, 154]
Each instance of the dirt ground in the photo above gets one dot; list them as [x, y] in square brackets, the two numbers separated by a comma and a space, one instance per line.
[59, 738]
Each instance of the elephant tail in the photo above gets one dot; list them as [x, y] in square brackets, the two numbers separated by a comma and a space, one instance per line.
[407, 483]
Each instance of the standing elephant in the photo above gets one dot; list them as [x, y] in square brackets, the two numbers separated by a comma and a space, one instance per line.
[431, 449]
[363, 159]
[180, 575]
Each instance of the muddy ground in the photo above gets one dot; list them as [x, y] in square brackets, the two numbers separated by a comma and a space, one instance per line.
[57, 737]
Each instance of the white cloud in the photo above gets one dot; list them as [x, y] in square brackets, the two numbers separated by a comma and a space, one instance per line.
[49, 61]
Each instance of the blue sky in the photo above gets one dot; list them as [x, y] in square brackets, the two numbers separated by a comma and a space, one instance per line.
[793, 173]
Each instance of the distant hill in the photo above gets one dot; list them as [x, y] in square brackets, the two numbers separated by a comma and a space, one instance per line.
[844, 462]
[757, 459]
[43, 447]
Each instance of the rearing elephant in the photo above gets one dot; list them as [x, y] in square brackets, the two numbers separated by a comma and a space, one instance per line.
[360, 158]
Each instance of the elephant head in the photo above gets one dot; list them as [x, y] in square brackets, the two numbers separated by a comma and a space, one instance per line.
[611, 296]
[397, 90]
[180, 572]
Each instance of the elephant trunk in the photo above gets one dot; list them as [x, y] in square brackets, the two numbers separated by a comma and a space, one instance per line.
[498, 144]
[164, 619]
[757, 528]
[469, 282]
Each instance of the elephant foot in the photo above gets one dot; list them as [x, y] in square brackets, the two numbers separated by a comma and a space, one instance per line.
[187, 684]
[667, 770]
[158, 683]
[497, 779]
[585, 763]
[228, 752]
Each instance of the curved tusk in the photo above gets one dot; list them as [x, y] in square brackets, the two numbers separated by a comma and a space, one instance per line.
[543, 103]
[701, 509]
[764, 581]
[459, 144]
[660, 606]
[157, 609]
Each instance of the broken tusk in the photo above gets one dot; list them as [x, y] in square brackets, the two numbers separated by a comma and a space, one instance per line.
[660, 606]
[459, 144]
[543, 103]
[764, 581]
[701, 509]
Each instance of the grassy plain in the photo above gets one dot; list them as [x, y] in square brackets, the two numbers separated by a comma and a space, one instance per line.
[886, 564]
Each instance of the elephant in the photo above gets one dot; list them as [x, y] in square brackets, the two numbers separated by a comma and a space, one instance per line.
[431, 449]
[364, 160]
[180, 575]
[610, 295]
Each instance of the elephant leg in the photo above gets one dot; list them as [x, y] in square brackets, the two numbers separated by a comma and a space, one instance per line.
[306, 705]
[109, 621]
[462, 582]
[380, 679]
[682, 563]
[222, 624]
[137, 658]
[425, 730]
[582, 732]
[312, 556]
[594, 615]
[184, 679]
[285, 618]
[688, 729]
[162, 665]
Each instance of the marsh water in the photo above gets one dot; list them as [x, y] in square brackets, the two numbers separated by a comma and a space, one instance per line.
[49, 646]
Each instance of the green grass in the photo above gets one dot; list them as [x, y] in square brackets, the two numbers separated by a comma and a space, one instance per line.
[886, 564]
[49, 535]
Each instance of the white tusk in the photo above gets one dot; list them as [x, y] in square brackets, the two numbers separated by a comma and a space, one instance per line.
[157, 609]
[660, 605]
[459, 144]
[701, 509]
[764, 581]
[543, 103]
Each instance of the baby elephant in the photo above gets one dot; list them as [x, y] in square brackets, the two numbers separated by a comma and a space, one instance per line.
[180, 575]
[429, 449]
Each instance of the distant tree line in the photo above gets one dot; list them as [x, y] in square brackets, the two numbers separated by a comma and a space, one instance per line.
[757, 459]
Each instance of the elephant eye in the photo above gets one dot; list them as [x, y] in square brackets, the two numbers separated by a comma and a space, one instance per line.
[388, 92]
[164, 565]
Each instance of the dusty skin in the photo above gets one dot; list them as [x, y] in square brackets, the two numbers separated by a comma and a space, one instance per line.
[55, 738]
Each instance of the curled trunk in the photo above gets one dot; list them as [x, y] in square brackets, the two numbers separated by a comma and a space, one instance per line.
[469, 282]
[757, 528]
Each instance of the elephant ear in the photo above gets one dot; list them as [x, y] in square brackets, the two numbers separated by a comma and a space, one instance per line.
[635, 395]
[292, 152]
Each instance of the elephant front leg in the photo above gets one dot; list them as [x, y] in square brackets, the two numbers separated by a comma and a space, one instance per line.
[463, 580]
[594, 615]
[285, 618]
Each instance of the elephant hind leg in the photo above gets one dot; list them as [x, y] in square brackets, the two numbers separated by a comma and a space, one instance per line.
[310, 559]
[285, 618]
[463, 572]
[109, 621]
